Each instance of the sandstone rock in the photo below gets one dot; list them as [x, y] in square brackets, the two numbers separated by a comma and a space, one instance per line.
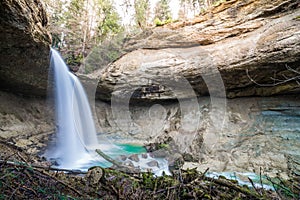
[28, 122]
[232, 45]
[24, 47]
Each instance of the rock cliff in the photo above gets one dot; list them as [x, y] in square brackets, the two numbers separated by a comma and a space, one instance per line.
[24, 47]
[250, 47]
[24, 62]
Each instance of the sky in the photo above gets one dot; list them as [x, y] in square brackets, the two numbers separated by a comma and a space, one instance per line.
[127, 18]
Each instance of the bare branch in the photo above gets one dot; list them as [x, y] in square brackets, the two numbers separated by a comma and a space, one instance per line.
[278, 81]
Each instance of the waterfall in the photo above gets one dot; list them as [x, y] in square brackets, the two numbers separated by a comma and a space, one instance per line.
[76, 133]
[76, 138]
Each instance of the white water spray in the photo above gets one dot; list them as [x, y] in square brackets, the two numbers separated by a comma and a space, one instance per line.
[76, 139]
[76, 133]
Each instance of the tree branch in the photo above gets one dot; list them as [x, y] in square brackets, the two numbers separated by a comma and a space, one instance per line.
[279, 81]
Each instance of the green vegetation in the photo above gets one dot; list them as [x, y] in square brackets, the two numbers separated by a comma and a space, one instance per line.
[103, 54]
[78, 27]
[158, 22]
[20, 179]
[141, 8]
[162, 13]
[297, 18]
[24, 182]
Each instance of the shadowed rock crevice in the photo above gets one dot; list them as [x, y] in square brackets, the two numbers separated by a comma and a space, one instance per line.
[24, 47]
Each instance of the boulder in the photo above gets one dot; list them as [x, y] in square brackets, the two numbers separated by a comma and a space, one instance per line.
[24, 47]
[244, 48]
[134, 157]
[153, 163]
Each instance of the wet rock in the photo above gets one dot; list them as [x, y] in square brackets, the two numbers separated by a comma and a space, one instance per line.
[188, 157]
[134, 157]
[129, 164]
[161, 153]
[153, 163]
[144, 155]
[175, 161]
[123, 157]
[53, 162]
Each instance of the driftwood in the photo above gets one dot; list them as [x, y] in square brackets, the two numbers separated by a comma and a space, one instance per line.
[48, 168]
[108, 158]
[119, 165]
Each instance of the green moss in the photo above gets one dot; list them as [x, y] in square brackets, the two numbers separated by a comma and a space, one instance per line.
[297, 17]
[158, 22]
[163, 146]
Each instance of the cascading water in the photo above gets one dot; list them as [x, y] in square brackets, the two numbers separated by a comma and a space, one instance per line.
[76, 133]
[76, 139]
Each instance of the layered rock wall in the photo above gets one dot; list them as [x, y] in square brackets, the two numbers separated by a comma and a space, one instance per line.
[24, 61]
[251, 44]
[24, 47]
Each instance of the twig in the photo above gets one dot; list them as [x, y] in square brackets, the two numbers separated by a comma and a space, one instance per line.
[254, 186]
[203, 174]
[282, 187]
[234, 187]
[279, 195]
[30, 189]
[45, 168]
[295, 78]
[260, 180]
[291, 69]
[61, 182]
[217, 181]
[115, 191]
[15, 190]
[22, 158]
[41, 167]
[168, 188]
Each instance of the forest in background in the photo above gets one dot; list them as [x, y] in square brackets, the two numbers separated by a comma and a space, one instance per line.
[77, 26]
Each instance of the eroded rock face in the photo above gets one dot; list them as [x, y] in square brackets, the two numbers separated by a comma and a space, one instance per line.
[26, 122]
[24, 47]
[249, 43]
[252, 133]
